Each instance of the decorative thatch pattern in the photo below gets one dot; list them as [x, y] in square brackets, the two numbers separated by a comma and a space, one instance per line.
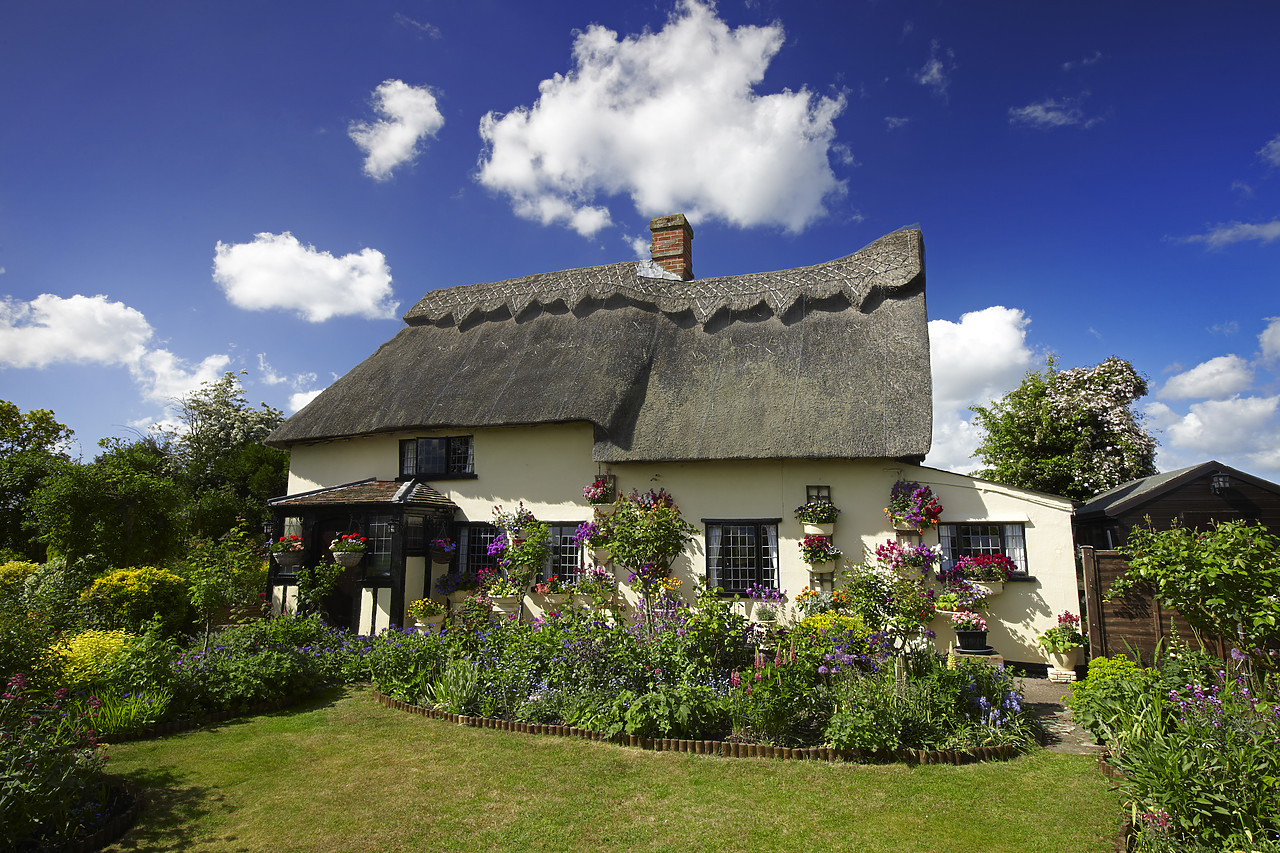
[887, 264]
[829, 361]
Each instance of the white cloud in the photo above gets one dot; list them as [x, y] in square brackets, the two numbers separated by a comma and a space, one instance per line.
[975, 361]
[268, 375]
[51, 329]
[1216, 378]
[409, 115]
[1226, 233]
[424, 27]
[895, 122]
[1092, 59]
[1052, 113]
[301, 398]
[936, 73]
[276, 271]
[1270, 152]
[1218, 428]
[164, 377]
[1270, 340]
[671, 119]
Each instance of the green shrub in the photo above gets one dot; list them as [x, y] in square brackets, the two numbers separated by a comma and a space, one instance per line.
[13, 580]
[1103, 703]
[126, 598]
[89, 657]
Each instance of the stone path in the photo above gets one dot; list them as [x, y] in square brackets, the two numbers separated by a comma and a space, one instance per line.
[1047, 700]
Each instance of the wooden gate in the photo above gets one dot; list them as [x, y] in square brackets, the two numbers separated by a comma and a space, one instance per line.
[1134, 624]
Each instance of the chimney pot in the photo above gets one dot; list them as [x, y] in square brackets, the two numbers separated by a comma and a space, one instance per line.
[672, 247]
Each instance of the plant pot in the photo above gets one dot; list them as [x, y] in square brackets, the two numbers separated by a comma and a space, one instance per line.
[506, 605]
[443, 558]
[603, 509]
[462, 596]
[601, 556]
[906, 527]
[812, 529]
[288, 559]
[428, 624]
[348, 559]
[991, 587]
[971, 641]
[556, 600]
[1067, 660]
[822, 568]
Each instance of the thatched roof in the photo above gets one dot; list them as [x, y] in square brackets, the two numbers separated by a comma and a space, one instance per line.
[827, 361]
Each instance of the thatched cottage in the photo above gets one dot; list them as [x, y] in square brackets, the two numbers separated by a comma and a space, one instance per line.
[743, 396]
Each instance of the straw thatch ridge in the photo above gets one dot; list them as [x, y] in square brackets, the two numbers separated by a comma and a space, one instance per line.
[828, 361]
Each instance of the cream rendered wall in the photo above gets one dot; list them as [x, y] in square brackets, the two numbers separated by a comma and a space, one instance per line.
[548, 466]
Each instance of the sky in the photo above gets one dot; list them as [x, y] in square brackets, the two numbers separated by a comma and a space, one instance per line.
[192, 188]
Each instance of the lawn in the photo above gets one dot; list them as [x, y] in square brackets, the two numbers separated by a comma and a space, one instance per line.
[343, 773]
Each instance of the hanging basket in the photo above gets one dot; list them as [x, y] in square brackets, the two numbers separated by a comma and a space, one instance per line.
[288, 559]
[822, 568]
[348, 559]
[441, 557]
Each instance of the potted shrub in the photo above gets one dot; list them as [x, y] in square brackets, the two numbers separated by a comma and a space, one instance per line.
[963, 596]
[555, 593]
[987, 572]
[818, 517]
[505, 596]
[1063, 641]
[646, 533]
[442, 550]
[820, 553]
[513, 522]
[971, 631]
[905, 559]
[288, 551]
[912, 507]
[601, 493]
[596, 588]
[427, 615]
[348, 549]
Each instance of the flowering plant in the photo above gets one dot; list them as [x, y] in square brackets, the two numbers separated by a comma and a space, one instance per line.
[817, 512]
[589, 534]
[292, 542]
[348, 542]
[517, 519]
[596, 582]
[816, 549]
[968, 622]
[964, 596]
[893, 555]
[601, 491]
[456, 582]
[914, 504]
[911, 603]
[504, 587]
[981, 567]
[1063, 637]
[768, 601]
[444, 544]
[551, 586]
[424, 608]
[811, 601]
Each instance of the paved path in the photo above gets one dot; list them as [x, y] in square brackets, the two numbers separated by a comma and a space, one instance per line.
[1047, 699]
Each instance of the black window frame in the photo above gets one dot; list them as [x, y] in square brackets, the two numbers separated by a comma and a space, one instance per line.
[455, 448]
[759, 570]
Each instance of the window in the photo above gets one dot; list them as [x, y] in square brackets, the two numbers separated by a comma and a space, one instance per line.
[436, 457]
[813, 494]
[742, 553]
[566, 555]
[970, 540]
[378, 558]
[473, 547]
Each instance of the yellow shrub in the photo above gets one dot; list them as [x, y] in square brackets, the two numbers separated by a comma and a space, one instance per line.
[129, 597]
[13, 575]
[833, 624]
[88, 656]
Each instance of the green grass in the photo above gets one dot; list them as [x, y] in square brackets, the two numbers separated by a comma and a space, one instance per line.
[343, 773]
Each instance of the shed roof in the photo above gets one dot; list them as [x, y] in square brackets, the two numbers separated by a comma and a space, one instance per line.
[370, 492]
[1135, 493]
[826, 361]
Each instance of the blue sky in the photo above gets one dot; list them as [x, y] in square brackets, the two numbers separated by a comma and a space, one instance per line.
[192, 188]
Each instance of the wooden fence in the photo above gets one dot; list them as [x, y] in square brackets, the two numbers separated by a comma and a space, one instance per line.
[1134, 624]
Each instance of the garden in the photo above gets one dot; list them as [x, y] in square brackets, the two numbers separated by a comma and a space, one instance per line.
[89, 661]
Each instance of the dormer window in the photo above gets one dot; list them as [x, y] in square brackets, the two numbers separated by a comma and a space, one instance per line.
[436, 457]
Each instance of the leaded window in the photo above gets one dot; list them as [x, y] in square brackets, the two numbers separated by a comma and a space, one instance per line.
[741, 554]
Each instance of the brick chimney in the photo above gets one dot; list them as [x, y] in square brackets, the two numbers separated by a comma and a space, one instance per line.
[672, 247]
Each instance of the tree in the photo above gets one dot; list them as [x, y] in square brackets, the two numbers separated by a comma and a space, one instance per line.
[31, 446]
[225, 575]
[1069, 432]
[219, 457]
[1225, 582]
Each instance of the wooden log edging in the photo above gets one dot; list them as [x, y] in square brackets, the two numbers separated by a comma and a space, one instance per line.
[724, 749]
